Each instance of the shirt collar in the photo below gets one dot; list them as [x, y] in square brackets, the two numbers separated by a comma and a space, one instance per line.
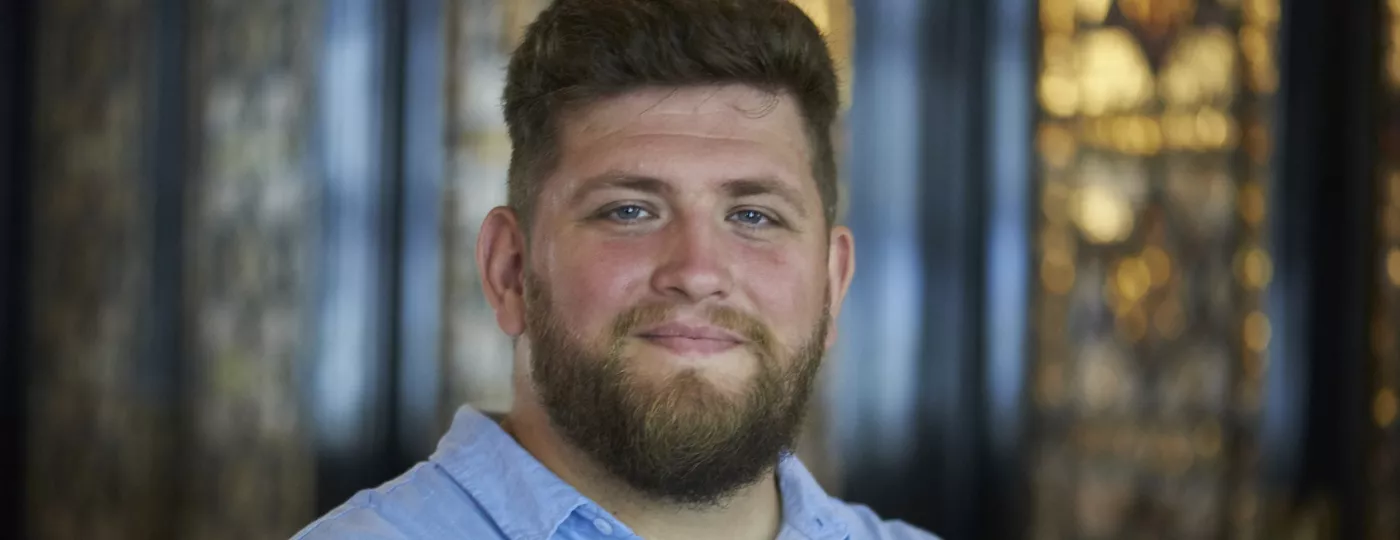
[525, 499]
[528, 501]
[806, 506]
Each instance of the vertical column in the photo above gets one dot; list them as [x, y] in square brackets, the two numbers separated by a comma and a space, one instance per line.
[875, 416]
[251, 231]
[1151, 338]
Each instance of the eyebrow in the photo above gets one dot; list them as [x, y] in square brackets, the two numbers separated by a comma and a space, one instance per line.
[748, 187]
[615, 180]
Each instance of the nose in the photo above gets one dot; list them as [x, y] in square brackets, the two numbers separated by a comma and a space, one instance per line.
[694, 265]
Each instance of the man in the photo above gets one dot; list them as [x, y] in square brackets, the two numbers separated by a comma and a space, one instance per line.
[670, 269]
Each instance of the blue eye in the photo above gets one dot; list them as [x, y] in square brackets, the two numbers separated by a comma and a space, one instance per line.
[628, 213]
[752, 218]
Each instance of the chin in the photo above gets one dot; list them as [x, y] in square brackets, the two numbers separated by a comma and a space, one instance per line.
[691, 392]
[729, 373]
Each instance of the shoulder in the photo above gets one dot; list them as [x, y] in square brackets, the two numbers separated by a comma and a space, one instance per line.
[863, 524]
[422, 503]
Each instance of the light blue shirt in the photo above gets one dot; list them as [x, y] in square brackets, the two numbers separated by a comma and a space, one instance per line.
[482, 485]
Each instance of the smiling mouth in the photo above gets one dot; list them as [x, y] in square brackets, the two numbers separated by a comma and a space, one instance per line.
[691, 340]
[686, 345]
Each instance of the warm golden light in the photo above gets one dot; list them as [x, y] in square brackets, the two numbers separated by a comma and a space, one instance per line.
[1200, 70]
[1102, 214]
[1059, 53]
[1261, 12]
[1213, 128]
[1057, 146]
[1392, 266]
[1179, 130]
[1058, 245]
[1257, 331]
[1093, 11]
[1254, 268]
[1134, 279]
[1393, 59]
[1383, 408]
[1144, 136]
[1058, 278]
[1159, 265]
[1114, 74]
[1097, 131]
[1059, 94]
[1057, 16]
[1251, 201]
[1257, 47]
[1055, 200]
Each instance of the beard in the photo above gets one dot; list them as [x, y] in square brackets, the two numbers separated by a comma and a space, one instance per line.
[680, 440]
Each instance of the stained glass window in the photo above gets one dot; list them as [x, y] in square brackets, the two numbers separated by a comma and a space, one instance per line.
[1150, 336]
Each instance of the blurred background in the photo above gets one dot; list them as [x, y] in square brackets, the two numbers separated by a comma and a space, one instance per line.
[1127, 268]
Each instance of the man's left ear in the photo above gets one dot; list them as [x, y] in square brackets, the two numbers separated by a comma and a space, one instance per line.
[840, 268]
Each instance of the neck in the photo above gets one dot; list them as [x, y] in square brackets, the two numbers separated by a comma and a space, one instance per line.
[754, 512]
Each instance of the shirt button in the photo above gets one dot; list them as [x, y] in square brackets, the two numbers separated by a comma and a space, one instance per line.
[603, 526]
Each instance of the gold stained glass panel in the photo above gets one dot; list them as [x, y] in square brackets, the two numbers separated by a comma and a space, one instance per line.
[1153, 144]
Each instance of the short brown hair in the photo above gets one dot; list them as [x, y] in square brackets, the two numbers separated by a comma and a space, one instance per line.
[579, 51]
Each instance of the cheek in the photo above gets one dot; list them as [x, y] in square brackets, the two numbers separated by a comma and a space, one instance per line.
[786, 286]
[593, 286]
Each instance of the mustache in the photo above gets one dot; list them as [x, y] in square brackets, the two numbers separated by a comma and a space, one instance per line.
[728, 318]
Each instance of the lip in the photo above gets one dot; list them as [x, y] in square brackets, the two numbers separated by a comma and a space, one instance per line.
[682, 338]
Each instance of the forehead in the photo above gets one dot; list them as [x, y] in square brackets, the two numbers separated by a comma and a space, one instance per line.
[684, 133]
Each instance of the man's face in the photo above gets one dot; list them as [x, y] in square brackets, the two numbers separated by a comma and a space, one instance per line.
[679, 285]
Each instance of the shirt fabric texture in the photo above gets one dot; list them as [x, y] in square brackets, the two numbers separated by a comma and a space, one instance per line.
[482, 485]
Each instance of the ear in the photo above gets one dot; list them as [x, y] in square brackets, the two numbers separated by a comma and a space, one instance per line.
[500, 261]
[840, 268]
